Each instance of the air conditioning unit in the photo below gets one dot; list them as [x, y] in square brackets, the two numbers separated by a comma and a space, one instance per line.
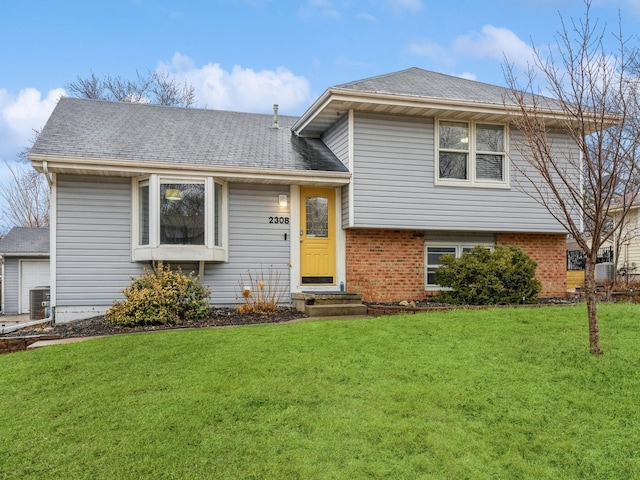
[604, 272]
[39, 303]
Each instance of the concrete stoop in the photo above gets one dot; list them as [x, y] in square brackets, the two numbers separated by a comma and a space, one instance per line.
[329, 304]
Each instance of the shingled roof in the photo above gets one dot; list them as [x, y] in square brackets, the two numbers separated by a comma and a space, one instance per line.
[414, 92]
[25, 241]
[99, 130]
[417, 82]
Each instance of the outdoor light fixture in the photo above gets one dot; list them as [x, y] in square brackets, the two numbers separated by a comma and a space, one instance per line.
[283, 200]
[173, 194]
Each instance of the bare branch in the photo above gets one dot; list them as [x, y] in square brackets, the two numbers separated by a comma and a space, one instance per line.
[594, 171]
[157, 87]
[26, 197]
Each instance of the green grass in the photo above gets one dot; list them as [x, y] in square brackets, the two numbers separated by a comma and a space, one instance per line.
[477, 394]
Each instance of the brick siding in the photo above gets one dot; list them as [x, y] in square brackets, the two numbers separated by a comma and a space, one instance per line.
[388, 265]
[385, 265]
[549, 252]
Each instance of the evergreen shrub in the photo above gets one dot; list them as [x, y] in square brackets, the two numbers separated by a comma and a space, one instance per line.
[504, 276]
[161, 296]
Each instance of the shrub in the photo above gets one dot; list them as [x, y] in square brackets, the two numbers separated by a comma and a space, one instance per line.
[504, 276]
[161, 296]
[261, 294]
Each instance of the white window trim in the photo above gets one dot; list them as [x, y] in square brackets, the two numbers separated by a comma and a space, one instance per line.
[471, 161]
[460, 247]
[157, 252]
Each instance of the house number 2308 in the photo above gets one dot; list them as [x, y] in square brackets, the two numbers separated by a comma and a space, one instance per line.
[279, 220]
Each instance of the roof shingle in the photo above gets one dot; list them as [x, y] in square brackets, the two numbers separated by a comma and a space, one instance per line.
[81, 128]
[25, 240]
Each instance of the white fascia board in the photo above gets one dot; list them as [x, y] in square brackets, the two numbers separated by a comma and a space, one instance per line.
[317, 107]
[132, 168]
[350, 97]
[347, 96]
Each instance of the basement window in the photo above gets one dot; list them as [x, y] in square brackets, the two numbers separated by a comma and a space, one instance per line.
[433, 255]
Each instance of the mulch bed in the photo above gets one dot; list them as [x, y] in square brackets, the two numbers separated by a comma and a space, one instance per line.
[98, 326]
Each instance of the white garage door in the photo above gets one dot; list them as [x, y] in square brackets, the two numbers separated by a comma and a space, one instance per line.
[33, 273]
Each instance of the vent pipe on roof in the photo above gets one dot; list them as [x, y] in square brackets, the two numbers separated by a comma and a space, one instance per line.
[275, 116]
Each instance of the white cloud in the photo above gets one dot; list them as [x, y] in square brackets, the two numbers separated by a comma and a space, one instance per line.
[490, 43]
[20, 115]
[323, 7]
[467, 75]
[367, 17]
[412, 6]
[495, 43]
[242, 89]
[431, 50]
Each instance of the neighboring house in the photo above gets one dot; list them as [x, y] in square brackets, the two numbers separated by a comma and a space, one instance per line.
[365, 191]
[577, 258]
[627, 244]
[24, 253]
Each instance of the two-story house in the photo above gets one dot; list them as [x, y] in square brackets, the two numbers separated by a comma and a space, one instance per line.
[364, 192]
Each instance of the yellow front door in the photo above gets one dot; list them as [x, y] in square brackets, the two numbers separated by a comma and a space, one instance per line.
[317, 236]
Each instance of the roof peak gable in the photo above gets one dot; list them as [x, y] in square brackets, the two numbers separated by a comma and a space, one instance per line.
[417, 82]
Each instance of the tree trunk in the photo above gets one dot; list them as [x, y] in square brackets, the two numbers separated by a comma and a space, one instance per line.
[592, 306]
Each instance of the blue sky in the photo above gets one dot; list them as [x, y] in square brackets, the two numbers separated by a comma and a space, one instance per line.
[246, 55]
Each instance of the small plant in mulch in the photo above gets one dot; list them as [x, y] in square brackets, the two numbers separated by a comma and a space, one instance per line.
[261, 292]
[161, 296]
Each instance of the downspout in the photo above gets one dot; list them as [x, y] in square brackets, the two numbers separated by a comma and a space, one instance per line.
[45, 170]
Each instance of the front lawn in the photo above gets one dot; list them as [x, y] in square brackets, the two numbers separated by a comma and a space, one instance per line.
[478, 394]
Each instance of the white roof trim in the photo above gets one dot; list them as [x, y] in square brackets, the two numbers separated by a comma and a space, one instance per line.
[134, 168]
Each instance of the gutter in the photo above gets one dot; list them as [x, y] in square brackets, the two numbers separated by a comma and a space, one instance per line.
[347, 96]
[124, 168]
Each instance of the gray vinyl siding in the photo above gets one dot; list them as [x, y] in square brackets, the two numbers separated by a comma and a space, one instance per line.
[337, 139]
[394, 185]
[11, 281]
[93, 240]
[254, 243]
[345, 206]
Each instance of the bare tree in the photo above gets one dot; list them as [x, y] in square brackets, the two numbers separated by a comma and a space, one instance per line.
[597, 104]
[157, 87]
[26, 197]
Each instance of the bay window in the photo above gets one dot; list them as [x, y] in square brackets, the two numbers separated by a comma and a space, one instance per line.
[179, 219]
[471, 153]
[182, 212]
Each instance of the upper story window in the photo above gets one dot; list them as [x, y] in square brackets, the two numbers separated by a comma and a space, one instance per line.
[471, 153]
[179, 219]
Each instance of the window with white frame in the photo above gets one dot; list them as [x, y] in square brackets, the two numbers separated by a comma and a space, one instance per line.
[179, 219]
[471, 153]
[434, 254]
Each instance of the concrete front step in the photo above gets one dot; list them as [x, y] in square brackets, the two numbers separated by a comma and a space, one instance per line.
[336, 310]
[302, 299]
[329, 304]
